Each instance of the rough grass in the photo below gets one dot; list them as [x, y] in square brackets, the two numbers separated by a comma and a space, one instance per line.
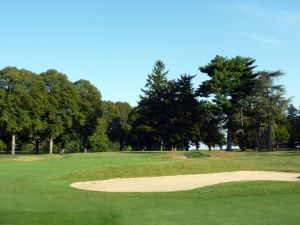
[193, 163]
[29, 157]
[34, 158]
[38, 192]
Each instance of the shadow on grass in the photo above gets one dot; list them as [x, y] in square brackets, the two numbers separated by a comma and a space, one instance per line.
[280, 153]
[187, 154]
[141, 152]
[26, 153]
[194, 154]
[171, 154]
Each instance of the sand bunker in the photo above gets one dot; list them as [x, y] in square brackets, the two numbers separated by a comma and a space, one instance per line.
[181, 182]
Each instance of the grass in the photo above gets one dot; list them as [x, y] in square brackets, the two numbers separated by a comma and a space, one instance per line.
[35, 190]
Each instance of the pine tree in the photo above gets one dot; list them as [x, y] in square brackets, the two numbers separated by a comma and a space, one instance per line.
[231, 81]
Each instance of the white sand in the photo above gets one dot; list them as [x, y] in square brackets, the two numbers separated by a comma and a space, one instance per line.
[181, 182]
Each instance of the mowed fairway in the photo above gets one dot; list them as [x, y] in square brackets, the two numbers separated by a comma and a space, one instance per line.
[36, 190]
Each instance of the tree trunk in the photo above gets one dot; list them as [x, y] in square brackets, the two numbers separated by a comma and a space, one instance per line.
[37, 143]
[8, 147]
[161, 145]
[85, 150]
[269, 137]
[81, 143]
[229, 139]
[209, 147]
[51, 146]
[258, 139]
[122, 145]
[242, 131]
[13, 144]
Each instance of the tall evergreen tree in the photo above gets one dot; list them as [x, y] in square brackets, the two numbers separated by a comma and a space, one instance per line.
[211, 125]
[184, 110]
[152, 105]
[231, 80]
[267, 105]
[298, 128]
[292, 119]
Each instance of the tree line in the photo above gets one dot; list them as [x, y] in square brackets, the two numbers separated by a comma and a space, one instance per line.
[237, 105]
[46, 109]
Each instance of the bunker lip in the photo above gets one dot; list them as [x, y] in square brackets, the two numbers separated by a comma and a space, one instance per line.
[181, 182]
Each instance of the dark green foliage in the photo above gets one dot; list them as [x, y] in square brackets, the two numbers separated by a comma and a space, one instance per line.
[211, 132]
[47, 111]
[2, 146]
[249, 105]
[185, 111]
[166, 115]
[23, 104]
[231, 81]
[153, 107]
[293, 119]
[63, 100]
[267, 108]
[281, 135]
[99, 140]
[118, 127]
[63, 107]
[298, 128]
[89, 109]
[36, 109]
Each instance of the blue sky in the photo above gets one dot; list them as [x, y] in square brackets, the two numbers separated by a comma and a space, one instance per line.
[115, 43]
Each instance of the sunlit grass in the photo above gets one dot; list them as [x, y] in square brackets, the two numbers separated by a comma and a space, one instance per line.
[36, 190]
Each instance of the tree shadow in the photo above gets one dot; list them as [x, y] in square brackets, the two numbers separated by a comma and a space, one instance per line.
[142, 152]
[280, 154]
[195, 154]
[26, 153]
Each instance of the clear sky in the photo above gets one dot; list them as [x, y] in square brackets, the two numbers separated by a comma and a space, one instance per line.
[115, 43]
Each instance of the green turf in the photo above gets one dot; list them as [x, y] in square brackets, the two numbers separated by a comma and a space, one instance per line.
[35, 190]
